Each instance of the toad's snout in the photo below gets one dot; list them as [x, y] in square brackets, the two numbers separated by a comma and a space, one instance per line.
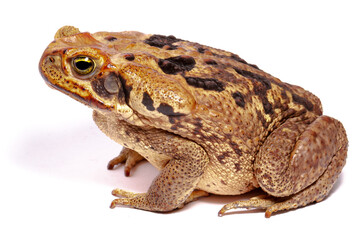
[49, 67]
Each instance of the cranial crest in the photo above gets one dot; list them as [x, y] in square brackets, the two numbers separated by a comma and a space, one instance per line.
[66, 31]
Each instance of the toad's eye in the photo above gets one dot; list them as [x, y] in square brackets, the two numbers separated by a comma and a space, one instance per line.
[83, 65]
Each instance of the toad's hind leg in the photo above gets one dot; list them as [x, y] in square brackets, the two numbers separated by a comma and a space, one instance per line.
[298, 164]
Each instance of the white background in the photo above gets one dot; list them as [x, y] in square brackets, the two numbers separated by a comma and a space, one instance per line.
[53, 178]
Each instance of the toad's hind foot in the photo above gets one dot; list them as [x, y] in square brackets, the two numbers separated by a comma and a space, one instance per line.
[255, 202]
[130, 157]
[270, 204]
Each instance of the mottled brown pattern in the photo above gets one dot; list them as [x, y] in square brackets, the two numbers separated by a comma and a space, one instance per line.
[178, 64]
[205, 83]
[161, 41]
[205, 117]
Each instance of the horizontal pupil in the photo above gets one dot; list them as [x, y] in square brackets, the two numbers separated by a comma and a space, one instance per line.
[83, 65]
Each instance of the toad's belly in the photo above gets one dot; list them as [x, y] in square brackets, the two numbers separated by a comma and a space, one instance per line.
[227, 178]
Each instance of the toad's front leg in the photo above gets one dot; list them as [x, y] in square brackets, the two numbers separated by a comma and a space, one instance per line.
[175, 183]
[179, 176]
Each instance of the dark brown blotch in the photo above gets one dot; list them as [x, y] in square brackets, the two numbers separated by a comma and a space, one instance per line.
[260, 117]
[160, 41]
[238, 59]
[129, 56]
[254, 66]
[303, 101]
[238, 151]
[167, 110]
[268, 108]
[178, 64]
[125, 94]
[148, 102]
[261, 85]
[239, 99]
[201, 49]
[221, 158]
[264, 81]
[206, 83]
[110, 38]
[198, 126]
[237, 167]
[210, 61]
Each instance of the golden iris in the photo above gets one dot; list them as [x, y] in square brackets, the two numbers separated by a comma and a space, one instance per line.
[83, 65]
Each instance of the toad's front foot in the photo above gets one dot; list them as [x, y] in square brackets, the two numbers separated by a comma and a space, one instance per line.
[130, 157]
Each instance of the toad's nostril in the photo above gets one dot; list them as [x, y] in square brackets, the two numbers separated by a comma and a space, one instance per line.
[51, 59]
